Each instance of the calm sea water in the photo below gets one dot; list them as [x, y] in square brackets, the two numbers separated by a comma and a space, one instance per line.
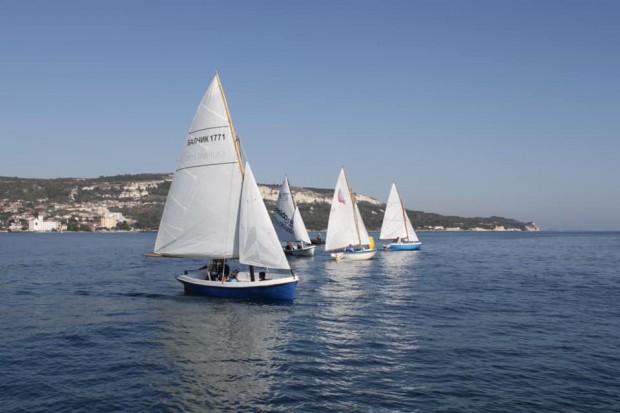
[472, 322]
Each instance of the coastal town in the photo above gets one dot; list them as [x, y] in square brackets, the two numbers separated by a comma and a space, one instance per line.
[135, 203]
[103, 212]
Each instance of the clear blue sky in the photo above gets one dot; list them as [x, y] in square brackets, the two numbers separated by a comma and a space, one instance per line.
[473, 108]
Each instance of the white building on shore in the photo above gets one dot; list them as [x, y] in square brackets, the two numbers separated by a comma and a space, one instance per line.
[38, 225]
[111, 219]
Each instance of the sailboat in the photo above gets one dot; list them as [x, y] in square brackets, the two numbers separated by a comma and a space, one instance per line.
[397, 226]
[345, 228]
[214, 211]
[290, 226]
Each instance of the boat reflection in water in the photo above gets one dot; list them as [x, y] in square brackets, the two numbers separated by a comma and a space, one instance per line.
[223, 353]
[345, 301]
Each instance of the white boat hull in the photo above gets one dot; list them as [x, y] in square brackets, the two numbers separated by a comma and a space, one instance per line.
[361, 255]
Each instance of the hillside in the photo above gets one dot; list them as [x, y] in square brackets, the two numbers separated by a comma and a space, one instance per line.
[140, 198]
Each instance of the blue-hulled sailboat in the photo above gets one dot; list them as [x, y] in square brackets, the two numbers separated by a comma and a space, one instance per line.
[397, 226]
[214, 211]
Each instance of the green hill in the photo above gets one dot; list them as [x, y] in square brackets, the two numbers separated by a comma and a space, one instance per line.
[122, 193]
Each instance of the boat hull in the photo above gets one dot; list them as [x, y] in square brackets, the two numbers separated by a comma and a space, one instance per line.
[360, 255]
[403, 246]
[282, 289]
[307, 251]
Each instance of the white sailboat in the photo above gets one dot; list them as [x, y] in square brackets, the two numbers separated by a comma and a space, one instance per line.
[214, 211]
[345, 228]
[397, 225]
[290, 226]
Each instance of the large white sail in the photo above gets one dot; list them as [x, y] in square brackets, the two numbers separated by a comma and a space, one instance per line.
[396, 223]
[289, 225]
[200, 217]
[258, 242]
[342, 227]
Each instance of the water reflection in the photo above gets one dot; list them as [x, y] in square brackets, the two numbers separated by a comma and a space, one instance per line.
[343, 302]
[399, 270]
[224, 351]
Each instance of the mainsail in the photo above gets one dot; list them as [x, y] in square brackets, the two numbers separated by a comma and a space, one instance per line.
[200, 218]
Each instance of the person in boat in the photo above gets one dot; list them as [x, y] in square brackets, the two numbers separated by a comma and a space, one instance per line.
[261, 276]
[289, 246]
[349, 248]
[397, 241]
[233, 276]
[299, 246]
[219, 270]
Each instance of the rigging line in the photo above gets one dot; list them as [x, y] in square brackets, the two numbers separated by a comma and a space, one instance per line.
[206, 164]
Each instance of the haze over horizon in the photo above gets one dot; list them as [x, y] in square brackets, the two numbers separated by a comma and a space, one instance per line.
[475, 108]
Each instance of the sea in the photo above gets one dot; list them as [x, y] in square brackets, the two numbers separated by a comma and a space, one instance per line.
[472, 322]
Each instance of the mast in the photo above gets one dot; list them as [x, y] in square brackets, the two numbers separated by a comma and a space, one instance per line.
[290, 191]
[230, 122]
[295, 211]
[357, 228]
[402, 209]
[288, 186]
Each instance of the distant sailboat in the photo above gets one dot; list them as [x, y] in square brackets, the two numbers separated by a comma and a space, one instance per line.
[290, 226]
[345, 228]
[214, 211]
[397, 226]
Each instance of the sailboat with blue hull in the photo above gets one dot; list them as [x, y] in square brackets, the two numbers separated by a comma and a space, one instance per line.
[215, 213]
[267, 290]
[397, 226]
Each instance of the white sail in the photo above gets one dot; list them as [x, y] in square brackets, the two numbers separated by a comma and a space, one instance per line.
[258, 242]
[363, 234]
[200, 217]
[299, 228]
[396, 223]
[345, 225]
[289, 225]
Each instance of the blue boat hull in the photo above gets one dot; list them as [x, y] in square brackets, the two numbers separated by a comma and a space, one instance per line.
[242, 290]
[404, 246]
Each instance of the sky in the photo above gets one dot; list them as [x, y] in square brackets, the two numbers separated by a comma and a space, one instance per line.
[473, 108]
